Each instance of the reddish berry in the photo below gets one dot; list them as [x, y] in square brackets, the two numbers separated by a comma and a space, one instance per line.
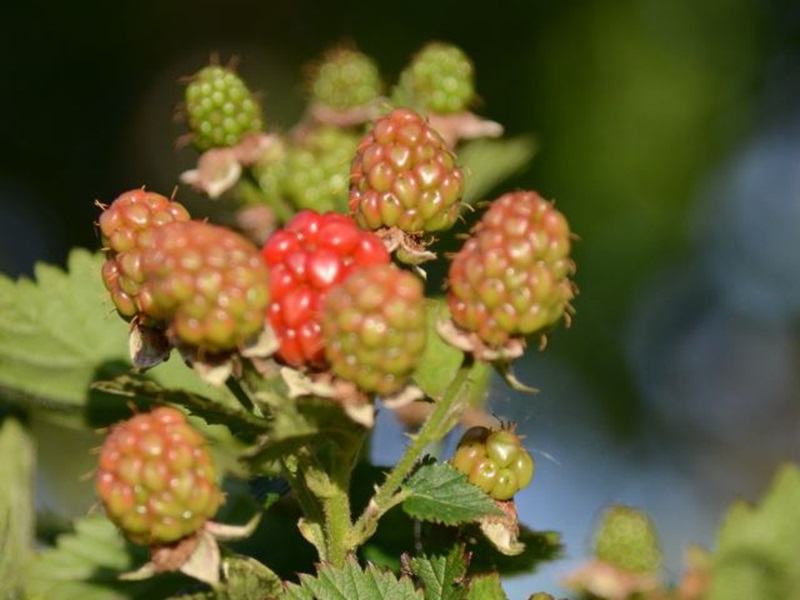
[307, 257]
[495, 461]
[156, 478]
[208, 283]
[404, 176]
[373, 326]
[220, 108]
[512, 276]
[126, 229]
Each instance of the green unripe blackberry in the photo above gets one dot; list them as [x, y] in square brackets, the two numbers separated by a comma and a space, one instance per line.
[440, 79]
[495, 461]
[344, 79]
[317, 169]
[220, 108]
[627, 538]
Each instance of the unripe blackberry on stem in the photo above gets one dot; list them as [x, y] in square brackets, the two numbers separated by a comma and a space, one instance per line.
[208, 283]
[127, 229]
[494, 460]
[156, 478]
[373, 325]
[220, 108]
[345, 78]
[440, 79]
[403, 176]
[511, 278]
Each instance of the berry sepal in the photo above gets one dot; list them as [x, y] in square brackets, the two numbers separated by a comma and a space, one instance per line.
[150, 346]
[219, 169]
[501, 358]
[197, 555]
[503, 531]
[358, 405]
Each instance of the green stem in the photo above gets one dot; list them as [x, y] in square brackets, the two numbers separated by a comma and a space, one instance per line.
[320, 478]
[436, 426]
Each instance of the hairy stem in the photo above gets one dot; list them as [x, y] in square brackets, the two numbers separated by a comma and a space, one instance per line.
[320, 476]
[440, 421]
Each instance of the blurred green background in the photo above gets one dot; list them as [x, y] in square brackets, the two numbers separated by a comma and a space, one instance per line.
[667, 132]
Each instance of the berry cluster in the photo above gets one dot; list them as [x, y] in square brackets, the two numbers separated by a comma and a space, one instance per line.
[126, 231]
[627, 539]
[220, 108]
[307, 257]
[440, 79]
[404, 176]
[345, 79]
[156, 478]
[208, 282]
[511, 278]
[373, 325]
[204, 284]
[495, 461]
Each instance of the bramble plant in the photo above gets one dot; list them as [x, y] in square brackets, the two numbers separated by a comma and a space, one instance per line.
[237, 386]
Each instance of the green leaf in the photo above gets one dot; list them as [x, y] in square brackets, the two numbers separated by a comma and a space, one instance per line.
[489, 162]
[440, 361]
[351, 582]
[442, 576]
[758, 545]
[248, 578]
[486, 587]
[439, 493]
[16, 503]
[56, 333]
[86, 564]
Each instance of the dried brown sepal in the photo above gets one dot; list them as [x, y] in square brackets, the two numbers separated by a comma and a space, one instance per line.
[357, 405]
[350, 117]
[470, 342]
[503, 531]
[219, 169]
[408, 248]
[464, 125]
[148, 346]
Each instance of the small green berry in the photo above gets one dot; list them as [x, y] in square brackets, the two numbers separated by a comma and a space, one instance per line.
[220, 108]
[344, 79]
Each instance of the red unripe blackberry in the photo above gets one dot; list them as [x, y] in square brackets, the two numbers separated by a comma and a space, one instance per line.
[307, 257]
[374, 327]
[512, 276]
[404, 176]
[156, 478]
[126, 230]
[208, 283]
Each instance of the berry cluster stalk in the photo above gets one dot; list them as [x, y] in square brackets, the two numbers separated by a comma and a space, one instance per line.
[441, 420]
